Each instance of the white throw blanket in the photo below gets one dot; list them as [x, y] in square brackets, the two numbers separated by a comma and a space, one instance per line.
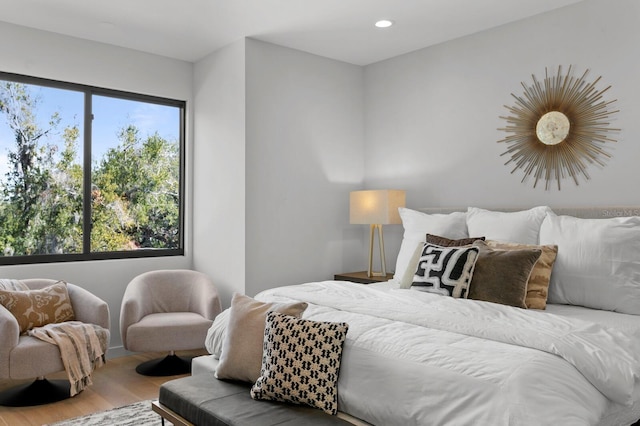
[82, 348]
[407, 324]
[12, 285]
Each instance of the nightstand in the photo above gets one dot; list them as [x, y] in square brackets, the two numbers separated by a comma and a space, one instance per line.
[361, 277]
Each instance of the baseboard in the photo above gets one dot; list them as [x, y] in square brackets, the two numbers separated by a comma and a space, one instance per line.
[118, 351]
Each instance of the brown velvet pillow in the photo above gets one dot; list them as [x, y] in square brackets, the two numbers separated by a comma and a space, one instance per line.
[446, 242]
[35, 308]
[501, 276]
[538, 284]
[241, 356]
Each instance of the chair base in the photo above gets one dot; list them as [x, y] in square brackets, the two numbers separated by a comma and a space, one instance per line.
[171, 365]
[39, 392]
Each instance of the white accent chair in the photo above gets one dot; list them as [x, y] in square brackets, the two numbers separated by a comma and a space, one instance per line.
[25, 357]
[167, 310]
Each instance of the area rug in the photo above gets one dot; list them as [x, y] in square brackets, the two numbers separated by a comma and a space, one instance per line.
[136, 414]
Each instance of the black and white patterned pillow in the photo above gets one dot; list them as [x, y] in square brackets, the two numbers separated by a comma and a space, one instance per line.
[301, 362]
[445, 270]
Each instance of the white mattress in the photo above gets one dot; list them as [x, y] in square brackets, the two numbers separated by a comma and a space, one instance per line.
[628, 324]
[359, 385]
[360, 379]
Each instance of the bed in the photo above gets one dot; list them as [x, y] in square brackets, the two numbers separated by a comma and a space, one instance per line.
[415, 357]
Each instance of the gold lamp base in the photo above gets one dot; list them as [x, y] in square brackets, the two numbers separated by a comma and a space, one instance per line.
[370, 272]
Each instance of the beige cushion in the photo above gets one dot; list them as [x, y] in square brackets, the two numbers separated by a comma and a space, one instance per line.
[501, 276]
[538, 284]
[35, 308]
[301, 362]
[179, 330]
[241, 355]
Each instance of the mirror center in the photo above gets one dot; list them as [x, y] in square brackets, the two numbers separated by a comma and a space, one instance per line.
[553, 128]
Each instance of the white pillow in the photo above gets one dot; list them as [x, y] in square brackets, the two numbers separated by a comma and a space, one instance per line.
[416, 226]
[515, 227]
[598, 262]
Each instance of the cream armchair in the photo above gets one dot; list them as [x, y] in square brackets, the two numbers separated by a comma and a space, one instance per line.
[167, 310]
[25, 357]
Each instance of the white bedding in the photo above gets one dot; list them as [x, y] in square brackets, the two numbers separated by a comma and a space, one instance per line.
[414, 358]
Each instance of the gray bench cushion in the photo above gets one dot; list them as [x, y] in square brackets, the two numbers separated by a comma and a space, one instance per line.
[204, 400]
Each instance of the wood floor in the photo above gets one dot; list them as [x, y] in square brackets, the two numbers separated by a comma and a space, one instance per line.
[114, 385]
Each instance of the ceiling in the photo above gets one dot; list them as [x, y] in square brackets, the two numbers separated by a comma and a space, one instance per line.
[339, 29]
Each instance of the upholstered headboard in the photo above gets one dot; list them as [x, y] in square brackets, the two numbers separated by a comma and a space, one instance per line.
[582, 212]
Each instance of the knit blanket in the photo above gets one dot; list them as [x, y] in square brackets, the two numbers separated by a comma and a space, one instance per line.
[12, 285]
[82, 348]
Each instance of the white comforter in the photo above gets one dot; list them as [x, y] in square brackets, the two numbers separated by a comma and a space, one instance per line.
[413, 358]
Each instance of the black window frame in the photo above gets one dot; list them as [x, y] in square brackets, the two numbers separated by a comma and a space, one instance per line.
[86, 254]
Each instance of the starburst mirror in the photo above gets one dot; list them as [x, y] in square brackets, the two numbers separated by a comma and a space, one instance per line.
[557, 127]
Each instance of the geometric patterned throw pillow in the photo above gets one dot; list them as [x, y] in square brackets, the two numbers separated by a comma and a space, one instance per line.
[35, 308]
[445, 270]
[301, 362]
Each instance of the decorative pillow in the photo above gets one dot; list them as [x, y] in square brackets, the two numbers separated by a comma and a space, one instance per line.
[242, 346]
[301, 362]
[597, 264]
[416, 224]
[35, 308]
[538, 284]
[445, 270]
[446, 242]
[517, 227]
[501, 276]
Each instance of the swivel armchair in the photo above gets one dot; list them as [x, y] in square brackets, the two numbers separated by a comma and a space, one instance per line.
[25, 357]
[167, 310]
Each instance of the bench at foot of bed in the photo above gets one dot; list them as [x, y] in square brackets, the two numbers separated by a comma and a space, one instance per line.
[204, 400]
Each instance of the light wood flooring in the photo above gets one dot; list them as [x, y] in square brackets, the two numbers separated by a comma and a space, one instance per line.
[114, 385]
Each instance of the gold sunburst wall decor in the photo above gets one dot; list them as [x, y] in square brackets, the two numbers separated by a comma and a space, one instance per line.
[557, 127]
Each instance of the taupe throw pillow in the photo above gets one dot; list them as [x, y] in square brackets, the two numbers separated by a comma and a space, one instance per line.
[35, 308]
[241, 355]
[538, 284]
[501, 276]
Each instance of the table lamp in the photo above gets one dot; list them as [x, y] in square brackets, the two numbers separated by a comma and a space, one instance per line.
[376, 208]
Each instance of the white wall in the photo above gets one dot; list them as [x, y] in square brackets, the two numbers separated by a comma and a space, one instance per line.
[281, 137]
[47, 55]
[304, 154]
[278, 142]
[219, 169]
[431, 116]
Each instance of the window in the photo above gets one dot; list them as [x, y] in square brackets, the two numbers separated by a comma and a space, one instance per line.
[88, 173]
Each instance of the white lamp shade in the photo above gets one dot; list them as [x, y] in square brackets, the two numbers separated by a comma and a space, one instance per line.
[376, 206]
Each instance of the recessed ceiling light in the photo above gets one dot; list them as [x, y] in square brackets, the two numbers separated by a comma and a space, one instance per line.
[384, 23]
